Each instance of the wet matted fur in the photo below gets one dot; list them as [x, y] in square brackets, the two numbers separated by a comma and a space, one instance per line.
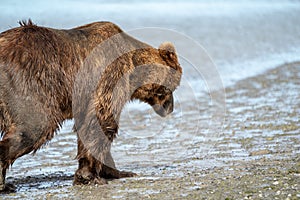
[39, 67]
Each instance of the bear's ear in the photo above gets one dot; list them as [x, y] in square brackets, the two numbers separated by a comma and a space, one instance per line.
[168, 53]
[167, 46]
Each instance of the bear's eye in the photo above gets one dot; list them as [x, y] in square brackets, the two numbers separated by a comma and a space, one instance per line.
[171, 55]
[160, 96]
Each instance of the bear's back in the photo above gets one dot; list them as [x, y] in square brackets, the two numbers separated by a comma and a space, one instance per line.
[41, 62]
[37, 62]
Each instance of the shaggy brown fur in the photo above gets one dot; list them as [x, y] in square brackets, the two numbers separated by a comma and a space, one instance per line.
[49, 75]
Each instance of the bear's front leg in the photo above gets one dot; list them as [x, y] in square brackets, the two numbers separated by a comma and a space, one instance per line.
[92, 171]
[88, 168]
[87, 173]
[109, 170]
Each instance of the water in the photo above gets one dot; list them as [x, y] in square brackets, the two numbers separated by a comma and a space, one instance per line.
[242, 38]
[220, 44]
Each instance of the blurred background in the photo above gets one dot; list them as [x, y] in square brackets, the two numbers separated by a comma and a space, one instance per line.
[243, 38]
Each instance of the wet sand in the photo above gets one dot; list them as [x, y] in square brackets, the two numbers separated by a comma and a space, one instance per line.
[255, 156]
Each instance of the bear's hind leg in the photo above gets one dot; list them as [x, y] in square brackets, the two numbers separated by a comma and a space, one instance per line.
[14, 145]
[2, 167]
[4, 188]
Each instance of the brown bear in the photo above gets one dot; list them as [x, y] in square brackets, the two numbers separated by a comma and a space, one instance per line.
[87, 73]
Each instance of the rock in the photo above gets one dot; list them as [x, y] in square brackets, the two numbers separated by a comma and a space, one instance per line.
[260, 152]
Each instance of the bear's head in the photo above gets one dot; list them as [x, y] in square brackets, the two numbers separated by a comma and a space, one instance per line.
[157, 74]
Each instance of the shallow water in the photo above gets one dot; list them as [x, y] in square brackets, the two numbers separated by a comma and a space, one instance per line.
[209, 144]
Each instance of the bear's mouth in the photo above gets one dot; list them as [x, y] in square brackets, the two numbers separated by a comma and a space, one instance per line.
[163, 110]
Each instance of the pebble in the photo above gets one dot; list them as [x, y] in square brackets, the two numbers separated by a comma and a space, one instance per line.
[275, 183]
[260, 152]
